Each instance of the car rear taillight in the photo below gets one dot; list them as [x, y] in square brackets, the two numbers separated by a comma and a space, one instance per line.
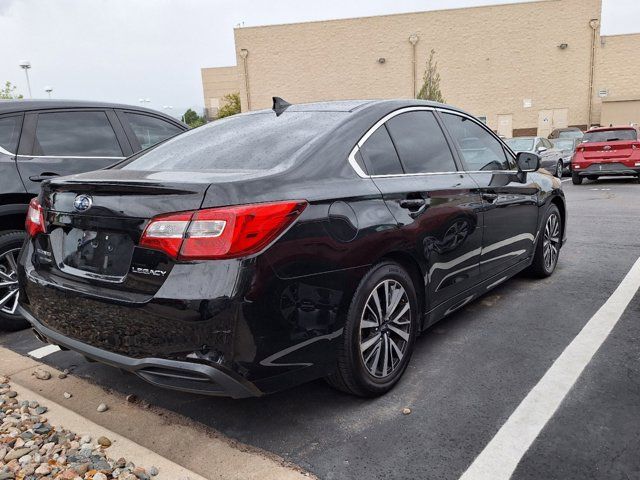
[217, 233]
[34, 223]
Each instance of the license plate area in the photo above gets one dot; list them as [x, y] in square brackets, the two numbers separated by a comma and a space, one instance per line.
[97, 254]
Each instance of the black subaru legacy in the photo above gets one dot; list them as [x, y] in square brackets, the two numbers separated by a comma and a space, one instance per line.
[279, 246]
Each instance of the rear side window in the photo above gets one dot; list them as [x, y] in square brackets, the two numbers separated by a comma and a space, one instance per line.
[150, 130]
[420, 143]
[479, 149]
[75, 134]
[9, 133]
[380, 155]
[610, 135]
[253, 142]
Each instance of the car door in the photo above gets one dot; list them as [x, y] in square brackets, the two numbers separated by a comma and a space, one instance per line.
[510, 203]
[10, 183]
[437, 206]
[548, 155]
[65, 142]
[145, 130]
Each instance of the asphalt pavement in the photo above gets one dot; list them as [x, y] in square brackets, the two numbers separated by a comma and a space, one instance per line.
[467, 375]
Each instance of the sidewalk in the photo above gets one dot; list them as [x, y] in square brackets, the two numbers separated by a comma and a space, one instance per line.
[179, 449]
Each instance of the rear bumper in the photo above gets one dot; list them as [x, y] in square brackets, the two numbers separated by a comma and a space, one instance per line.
[606, 169]
[184, 376]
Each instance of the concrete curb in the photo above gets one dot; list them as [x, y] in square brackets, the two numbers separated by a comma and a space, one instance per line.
[180, 450]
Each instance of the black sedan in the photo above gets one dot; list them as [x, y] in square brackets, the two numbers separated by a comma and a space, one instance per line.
[279, 246]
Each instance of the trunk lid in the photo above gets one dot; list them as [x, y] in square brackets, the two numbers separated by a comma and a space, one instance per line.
[94, 223]
[605, 151]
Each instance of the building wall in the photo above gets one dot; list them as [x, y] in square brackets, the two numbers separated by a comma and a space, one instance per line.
[216, 83]
[617, 75]
[502, 62]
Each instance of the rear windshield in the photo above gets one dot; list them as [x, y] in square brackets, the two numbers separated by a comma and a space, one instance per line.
[610, 135]
[570, 134]
[260, 141]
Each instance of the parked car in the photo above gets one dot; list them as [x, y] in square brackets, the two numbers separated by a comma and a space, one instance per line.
[567, 147]
[568, 132]
[41, 139]
[550, 157]
[271, 248]
[606, 151]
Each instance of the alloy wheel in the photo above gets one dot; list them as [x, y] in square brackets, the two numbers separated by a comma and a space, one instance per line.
[385, 328]
[559, 168]
[551, 241]
[9, 282]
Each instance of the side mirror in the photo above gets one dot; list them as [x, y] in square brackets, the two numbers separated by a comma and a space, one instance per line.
[542, 149]
[528, 162]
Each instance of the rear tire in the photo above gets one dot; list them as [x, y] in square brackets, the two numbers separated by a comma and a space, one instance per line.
[10, 243]
[576, 179]
[379, 335]
[559, 168]
[547, 251]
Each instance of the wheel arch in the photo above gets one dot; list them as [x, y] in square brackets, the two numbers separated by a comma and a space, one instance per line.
[559, 202]
[411, 265]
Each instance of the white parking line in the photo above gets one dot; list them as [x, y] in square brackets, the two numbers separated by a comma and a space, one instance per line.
[502, 454]
[44, 351]
[565, 180]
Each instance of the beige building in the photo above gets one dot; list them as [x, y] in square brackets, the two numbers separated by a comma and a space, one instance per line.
[525, 68]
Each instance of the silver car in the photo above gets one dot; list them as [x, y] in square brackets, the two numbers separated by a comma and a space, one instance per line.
[550, 156]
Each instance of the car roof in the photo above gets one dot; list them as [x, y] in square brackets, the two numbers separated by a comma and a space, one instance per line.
[21, 105]
[523, 138]
[353, 105]
[617, 127]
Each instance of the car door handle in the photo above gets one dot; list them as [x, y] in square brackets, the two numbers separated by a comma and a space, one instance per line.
[43, 176]
[413, 203]
[490, 197]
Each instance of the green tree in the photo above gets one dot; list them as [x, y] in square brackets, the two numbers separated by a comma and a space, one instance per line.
[431, 86]
[192, 119]
[231, 105]
[8, 92]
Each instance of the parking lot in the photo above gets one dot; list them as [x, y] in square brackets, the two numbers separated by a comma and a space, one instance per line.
[468, 374]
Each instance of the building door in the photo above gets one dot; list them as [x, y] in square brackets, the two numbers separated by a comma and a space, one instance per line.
[548, 120]
[505, 125]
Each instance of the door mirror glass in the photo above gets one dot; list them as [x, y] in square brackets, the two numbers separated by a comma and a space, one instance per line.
[528, 162]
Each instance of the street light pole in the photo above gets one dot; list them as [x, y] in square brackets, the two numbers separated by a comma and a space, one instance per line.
[48, 90]
[26, 65]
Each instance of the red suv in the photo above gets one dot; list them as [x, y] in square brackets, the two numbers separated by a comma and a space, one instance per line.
[605, 152]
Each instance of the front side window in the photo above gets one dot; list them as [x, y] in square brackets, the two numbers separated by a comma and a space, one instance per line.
[150, 130]
[9, 133]
[479, 149]
[75, 134]
[379, 154]
[420, 143]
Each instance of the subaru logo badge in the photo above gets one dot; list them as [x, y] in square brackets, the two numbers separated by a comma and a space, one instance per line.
[82, 203]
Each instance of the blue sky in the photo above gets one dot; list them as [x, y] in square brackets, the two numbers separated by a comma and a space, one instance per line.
[124, 50]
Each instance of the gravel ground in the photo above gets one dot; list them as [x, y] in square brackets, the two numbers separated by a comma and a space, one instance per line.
[31, 448]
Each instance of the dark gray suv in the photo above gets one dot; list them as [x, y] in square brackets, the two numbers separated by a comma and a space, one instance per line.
[40, 139]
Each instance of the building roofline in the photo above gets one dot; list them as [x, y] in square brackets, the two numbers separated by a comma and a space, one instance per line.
[386, 15]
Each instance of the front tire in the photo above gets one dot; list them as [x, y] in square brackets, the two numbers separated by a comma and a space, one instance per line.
[576, 179]
[547, 251]
[10, 244]
[379, 334]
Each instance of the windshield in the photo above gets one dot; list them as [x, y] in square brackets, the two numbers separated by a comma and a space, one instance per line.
[610, 135]
[563, 144]
[570, 134]
[259, 141]
[520, 144]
